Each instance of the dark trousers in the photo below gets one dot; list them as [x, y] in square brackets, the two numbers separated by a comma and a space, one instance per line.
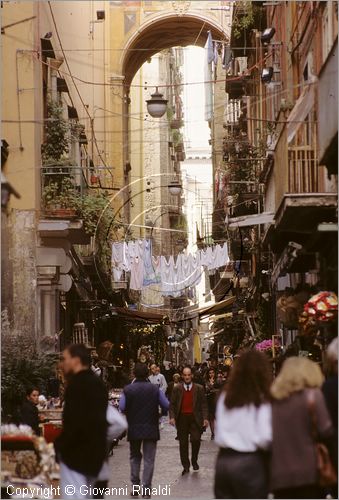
[310, 491]
[241, 475]
[101, 485]
[149, 448]
[187, 427]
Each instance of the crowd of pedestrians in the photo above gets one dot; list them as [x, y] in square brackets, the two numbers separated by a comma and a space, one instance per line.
[275, 436]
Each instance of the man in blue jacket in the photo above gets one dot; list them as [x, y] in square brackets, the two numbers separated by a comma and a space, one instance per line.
[140, 401]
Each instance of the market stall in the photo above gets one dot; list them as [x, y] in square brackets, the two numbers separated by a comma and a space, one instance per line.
[27, 461]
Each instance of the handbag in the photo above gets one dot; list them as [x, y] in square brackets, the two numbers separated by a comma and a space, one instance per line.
[327, 475]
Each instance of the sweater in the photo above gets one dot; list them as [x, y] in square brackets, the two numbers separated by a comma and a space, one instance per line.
[187, 402]
[82, 445]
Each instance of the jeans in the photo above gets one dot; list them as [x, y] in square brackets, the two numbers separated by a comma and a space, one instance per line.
[149, 448]
[241, 475]
[71, 482]
[187, 427]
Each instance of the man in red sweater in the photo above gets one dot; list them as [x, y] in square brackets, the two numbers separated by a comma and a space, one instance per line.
[188, 411]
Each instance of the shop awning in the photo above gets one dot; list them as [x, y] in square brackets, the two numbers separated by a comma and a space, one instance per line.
[219, 307]
[139, 315]
[251, 220]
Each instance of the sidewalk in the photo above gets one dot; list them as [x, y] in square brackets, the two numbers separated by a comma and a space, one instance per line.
[168, 468]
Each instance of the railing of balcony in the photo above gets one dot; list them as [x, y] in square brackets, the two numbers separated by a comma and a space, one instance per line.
[303, 170]
[63, 186]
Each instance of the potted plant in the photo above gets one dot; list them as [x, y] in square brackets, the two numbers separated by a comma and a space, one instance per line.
[176, 124]
[61, 200]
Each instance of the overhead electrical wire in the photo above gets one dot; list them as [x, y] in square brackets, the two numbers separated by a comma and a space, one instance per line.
[76, 88]
[146, 86]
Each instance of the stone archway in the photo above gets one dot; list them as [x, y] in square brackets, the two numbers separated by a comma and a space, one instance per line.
[163, 28]
[163, 31]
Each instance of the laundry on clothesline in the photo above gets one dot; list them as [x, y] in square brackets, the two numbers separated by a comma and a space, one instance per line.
[175, 274]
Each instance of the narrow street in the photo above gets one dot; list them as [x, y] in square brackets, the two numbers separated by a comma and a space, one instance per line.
[169, 242]
[168, 468]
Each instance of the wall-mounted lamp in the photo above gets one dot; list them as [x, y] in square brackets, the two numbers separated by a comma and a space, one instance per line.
[267, 34]
[267, 74]
[157, 105]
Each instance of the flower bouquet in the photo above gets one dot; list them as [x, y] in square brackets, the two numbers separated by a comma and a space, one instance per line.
[322, 307]
[266, 345]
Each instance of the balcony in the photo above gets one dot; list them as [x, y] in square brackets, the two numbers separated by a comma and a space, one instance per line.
[303, 171]
[61, 189]
[69, 210]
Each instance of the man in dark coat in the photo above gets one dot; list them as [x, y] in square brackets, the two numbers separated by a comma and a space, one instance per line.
[29, 414]
[140, 401]
[189, 412]
[81, 447]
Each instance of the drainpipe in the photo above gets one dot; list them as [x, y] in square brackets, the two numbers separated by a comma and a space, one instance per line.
[18, 90]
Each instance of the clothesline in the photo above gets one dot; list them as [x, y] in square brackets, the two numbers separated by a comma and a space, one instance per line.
[135, 260]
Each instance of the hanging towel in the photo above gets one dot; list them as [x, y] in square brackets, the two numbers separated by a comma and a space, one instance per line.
[137, 273]
[227, 56]
[149, 270]
[117, 260]
[166, 269]
[208, 76]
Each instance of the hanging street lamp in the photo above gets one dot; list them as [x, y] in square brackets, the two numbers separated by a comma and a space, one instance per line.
[157, 105]
[175, 188]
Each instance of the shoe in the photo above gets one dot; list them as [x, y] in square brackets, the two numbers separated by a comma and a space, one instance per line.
[185, 471]
[146, 496]
[212, 437]
[196, 467]
[134, 495]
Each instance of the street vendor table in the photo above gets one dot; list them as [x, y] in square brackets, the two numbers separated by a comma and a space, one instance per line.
[52, 426]
[26, 461]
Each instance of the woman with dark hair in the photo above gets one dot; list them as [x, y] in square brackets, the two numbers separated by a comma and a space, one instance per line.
[211, 388]
[243, 429]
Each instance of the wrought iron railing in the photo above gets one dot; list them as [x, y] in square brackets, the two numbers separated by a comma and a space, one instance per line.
[303, 170]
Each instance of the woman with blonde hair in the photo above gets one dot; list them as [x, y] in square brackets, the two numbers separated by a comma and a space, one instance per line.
[298, 405]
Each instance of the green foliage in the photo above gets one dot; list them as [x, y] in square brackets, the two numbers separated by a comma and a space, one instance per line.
[264, 312]
[170, 113]
[247, 16]
[177, 137]
[61, 194]
[56, 143]
[152, 335]
[93, 208]
[22, 365]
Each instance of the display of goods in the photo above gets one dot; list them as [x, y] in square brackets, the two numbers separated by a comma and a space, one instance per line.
[322, 307]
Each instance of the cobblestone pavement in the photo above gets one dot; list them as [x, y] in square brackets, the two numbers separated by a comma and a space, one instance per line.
[168, 468]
